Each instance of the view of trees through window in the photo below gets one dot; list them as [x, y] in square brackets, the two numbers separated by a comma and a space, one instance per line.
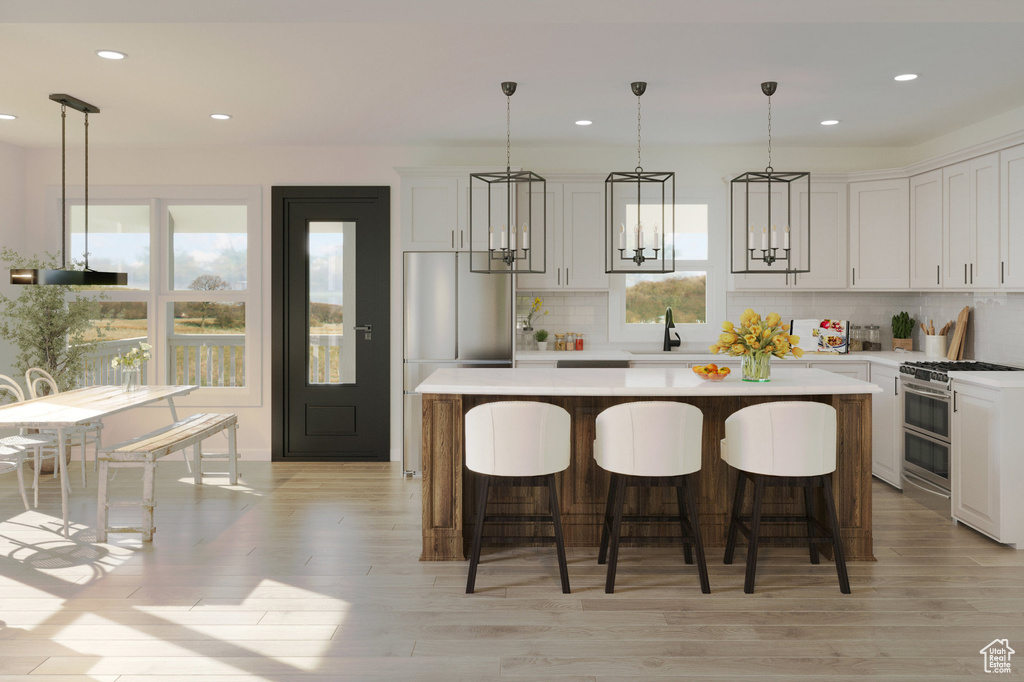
[647, 296]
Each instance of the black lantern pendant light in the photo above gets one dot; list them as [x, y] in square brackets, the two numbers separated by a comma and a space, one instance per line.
[507, 214]
[771, 216]
[639, 215]
[86, 276]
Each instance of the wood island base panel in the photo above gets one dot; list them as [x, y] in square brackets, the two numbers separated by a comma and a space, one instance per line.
[449, 491]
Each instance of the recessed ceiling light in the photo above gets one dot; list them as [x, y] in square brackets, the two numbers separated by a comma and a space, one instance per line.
[111, 54]
[8, 117]
[906, 77]
[583, 122]
[830, 122]
[220, 117]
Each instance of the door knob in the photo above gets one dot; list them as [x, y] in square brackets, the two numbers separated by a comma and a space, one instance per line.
[367, 330]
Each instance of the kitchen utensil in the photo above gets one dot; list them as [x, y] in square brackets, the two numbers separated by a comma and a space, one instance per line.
[956, 345]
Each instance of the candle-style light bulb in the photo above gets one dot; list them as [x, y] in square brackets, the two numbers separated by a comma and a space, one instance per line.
[657, 237]
[526, 238]
[785, 238]
[514, 240]
[775, 237]
[504, 238]
[751, 241]
[640, 236]
[622, 236]
[764, 239]
[490, 237]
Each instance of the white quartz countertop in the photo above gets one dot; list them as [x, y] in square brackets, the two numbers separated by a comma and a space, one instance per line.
[890, 358]
[990, 379]
[635, 382]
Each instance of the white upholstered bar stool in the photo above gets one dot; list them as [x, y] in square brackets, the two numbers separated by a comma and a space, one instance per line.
[783, 444]
[520, 443]
[650, 444]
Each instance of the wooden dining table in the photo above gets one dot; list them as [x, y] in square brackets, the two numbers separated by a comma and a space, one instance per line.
[61, 411]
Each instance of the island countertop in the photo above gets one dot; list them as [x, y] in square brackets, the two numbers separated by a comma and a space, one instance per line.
[638, 382]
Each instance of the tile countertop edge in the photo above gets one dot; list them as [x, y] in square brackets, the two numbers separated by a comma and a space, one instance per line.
[633, 382]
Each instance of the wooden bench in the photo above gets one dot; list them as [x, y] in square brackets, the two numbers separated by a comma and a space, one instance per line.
[145, 450]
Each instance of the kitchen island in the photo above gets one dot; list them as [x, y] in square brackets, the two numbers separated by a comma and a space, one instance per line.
[448, 491]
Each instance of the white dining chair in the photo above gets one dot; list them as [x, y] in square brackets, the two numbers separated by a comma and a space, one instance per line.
[517, 443]
[43, 446]
[11, 459]
[650, 444]
[40, 383]
[792, 444]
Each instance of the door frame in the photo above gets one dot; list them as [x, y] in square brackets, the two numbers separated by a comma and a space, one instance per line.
[282, 197]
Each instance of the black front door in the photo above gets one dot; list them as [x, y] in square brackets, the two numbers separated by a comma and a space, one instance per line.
[330, 316]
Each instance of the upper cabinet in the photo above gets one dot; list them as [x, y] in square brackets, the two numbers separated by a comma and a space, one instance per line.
[430, 214]
[827, 245]
[575, 239]
[971, 224]
[1011, 224]
[880, 234]
[926, 229]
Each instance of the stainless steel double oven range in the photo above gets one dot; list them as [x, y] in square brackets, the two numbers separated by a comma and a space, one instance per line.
[927, 412]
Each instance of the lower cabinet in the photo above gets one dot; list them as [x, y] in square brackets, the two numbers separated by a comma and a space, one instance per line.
[857, 370]
[986, 466]
[886, 425]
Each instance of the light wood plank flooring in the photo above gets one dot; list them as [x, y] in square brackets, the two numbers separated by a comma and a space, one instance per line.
[310, 572]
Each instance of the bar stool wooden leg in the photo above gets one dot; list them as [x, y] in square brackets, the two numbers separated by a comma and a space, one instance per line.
[809, 512]
[556, 520]
[837, 545]
[737, 507]
[683, 521]
[609, 509]
[755, 529]
[698, 541]
[478, 530]
[616, 532]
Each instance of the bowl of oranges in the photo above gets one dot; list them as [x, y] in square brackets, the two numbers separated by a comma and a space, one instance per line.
[711, 372]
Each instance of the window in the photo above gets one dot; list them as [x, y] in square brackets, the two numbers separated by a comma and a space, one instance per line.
[190, 254]
[695, 291]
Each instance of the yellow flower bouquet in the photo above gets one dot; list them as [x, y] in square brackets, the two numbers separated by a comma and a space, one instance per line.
[755, 341]
[534, 309]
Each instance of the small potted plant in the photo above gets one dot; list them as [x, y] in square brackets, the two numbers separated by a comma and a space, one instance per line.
[541, 336]
[902, 326]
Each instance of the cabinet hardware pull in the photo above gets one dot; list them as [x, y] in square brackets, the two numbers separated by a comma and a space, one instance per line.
[558, 274]
[855, 277]
[954, 401]
[567, 277]
[965, 273]
[453, 239]
[462, 242]
[1002, 272]
[972, 273]
[938, 272]
[895, 385]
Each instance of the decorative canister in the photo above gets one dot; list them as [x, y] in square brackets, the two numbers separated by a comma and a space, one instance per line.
[579, 342]
[570, 341]
[559, 341]
[856, 338]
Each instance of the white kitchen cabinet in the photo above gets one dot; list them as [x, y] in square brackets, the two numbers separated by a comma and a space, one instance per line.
[430, 214]
[880, 234]
[886, 425]
[926, 230]
[971, 224]
[975, 458]
[483, 216]
[575, 258]
[1011, 223]
[854, 369]
[828, 244]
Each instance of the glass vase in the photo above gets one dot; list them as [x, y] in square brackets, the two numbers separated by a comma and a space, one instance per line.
[757, 367]
[131, 379]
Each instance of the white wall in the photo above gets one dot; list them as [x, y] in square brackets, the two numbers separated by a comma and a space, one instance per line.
[12, 224]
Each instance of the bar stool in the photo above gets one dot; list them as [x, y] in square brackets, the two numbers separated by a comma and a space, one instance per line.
[517, 443]
[783, 444]
[648, 444]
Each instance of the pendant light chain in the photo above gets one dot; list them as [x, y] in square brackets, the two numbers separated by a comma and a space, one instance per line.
[639, 166]
[508, 133]
[87, 190]
[769, 169]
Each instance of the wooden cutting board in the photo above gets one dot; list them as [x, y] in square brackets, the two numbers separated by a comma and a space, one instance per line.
[956, 345]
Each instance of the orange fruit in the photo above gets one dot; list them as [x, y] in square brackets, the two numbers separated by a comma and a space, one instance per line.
[711, 368]
[724, 370]
[700, 369]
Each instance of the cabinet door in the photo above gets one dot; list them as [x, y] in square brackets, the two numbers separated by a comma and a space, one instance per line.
[1011, 222]
[880, 234]
[956, 229]
[886, 425]
[984, 222]
[552, 277]
[583, 236]
[827, 246]
[926, 230]
[429, 214]
[975, 460]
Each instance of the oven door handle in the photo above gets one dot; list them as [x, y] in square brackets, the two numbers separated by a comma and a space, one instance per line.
[925, 393]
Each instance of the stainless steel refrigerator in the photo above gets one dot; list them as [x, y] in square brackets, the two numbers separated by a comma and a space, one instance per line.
[453, 318]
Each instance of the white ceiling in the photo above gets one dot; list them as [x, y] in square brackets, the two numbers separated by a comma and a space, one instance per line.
[427, 72]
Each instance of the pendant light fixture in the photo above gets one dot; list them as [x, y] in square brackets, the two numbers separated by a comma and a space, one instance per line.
[507, 214]
[771, 216]
[639, 215]
[63, 276]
